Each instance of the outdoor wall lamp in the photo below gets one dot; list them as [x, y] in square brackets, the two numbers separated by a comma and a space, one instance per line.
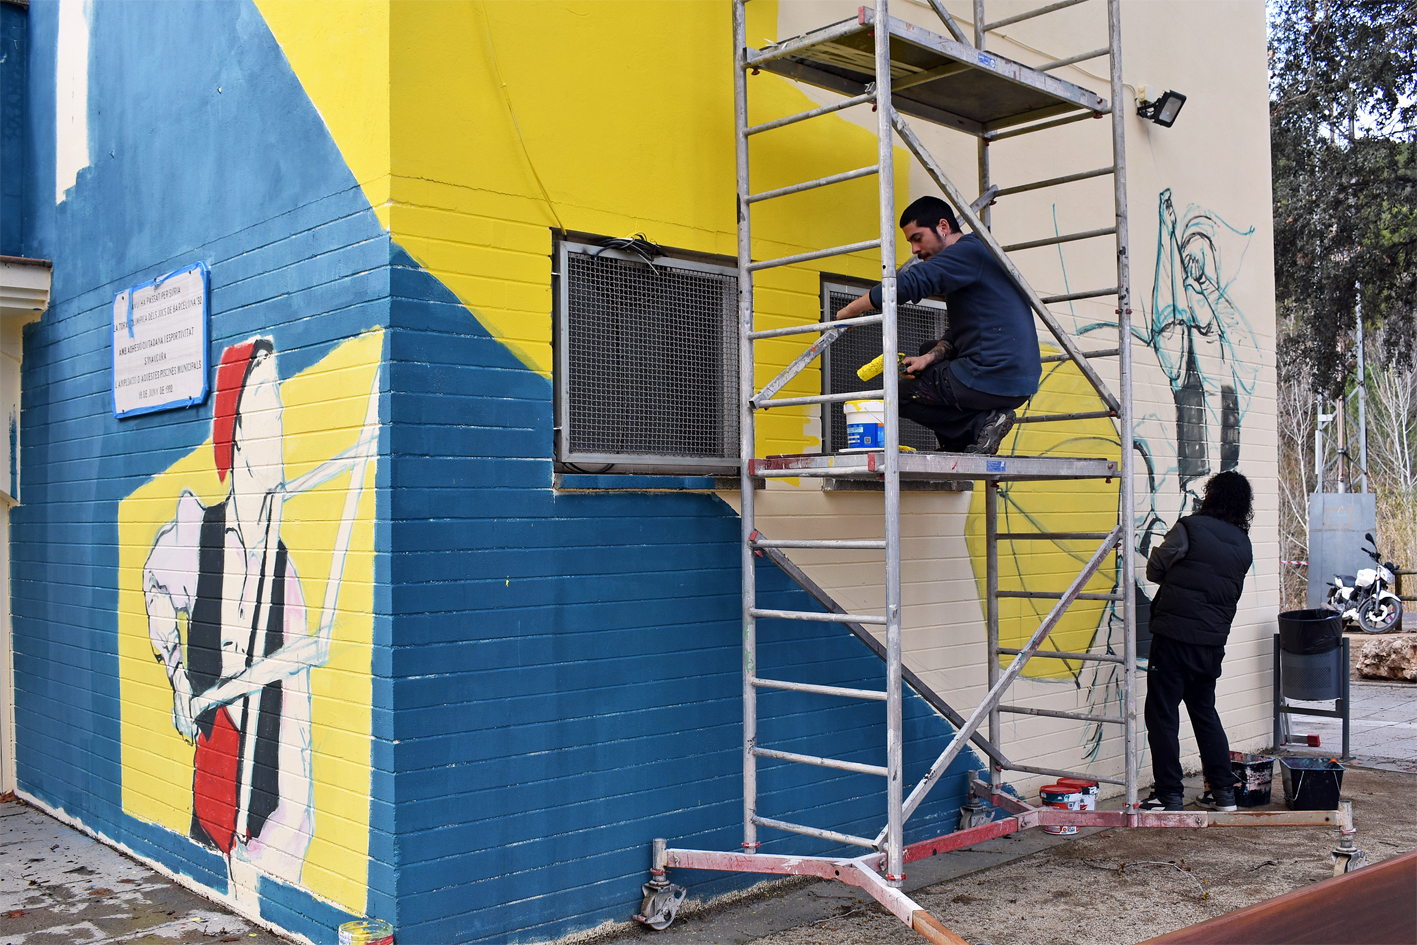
[1163, 109]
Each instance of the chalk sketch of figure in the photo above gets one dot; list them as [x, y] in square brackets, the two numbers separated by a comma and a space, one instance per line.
[241, 684]
[1208, 352]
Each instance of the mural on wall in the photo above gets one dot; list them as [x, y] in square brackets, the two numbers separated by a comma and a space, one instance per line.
[257, 755]
[1205, 348]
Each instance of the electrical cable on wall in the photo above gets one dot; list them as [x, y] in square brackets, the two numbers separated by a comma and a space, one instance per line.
[506, 97]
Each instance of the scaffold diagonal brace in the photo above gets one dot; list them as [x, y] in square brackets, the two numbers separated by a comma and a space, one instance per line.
[963, 205]
[991, 700]
[798, 365]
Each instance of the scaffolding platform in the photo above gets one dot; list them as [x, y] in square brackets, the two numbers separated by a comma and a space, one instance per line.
[922, 466]
[933, 77]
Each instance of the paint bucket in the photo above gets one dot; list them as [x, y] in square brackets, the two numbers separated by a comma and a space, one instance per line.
[1088, 790]
[366, 932]
[865, 424]
[1064, 798]
[1311, 783]
[1255, 774]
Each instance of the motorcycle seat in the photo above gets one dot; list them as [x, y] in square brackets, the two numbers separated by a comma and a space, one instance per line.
[1347, 579]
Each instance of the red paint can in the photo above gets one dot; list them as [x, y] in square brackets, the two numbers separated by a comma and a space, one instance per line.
[1064, 798]
[1088, 790]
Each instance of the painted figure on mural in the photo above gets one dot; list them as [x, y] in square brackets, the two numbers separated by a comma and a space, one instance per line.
[224, 572]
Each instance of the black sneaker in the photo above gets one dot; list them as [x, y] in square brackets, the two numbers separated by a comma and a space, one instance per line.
[991, 435]
[1162, 802]
[1221, 800]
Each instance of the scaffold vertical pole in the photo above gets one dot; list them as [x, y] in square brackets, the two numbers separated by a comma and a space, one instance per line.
[982, 144]
[991, 616]
[745, 428]
[895, 748]
[1126, 546]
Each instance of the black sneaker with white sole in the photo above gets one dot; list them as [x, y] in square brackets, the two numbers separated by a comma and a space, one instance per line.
[991, 435]
[1221, 800]
[1165, 802]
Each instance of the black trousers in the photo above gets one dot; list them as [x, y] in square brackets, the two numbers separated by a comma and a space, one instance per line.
[954, 412]
[1184, 672]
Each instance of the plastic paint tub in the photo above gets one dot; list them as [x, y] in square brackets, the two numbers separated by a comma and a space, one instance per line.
[1064, 798]
[1311, 783]
[366, 932]
[1255, 774]
[1088, 790]
[865, 424]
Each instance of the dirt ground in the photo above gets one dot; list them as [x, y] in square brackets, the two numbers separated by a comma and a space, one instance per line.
[1120, 887]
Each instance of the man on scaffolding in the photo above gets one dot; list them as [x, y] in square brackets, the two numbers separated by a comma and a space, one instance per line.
[965, 386]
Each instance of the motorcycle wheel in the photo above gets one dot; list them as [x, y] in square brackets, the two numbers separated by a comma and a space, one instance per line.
[1379, 616]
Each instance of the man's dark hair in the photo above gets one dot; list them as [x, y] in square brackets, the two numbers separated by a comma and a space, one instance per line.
[1228, 497]
[928, 212]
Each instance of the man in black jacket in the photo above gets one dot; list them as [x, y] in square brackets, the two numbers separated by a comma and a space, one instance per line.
[988, 362]
[1201, 567]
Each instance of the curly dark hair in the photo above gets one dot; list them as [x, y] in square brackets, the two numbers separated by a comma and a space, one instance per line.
[1228, 497]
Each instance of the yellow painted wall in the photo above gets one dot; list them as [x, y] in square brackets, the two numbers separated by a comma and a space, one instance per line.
[508, 121]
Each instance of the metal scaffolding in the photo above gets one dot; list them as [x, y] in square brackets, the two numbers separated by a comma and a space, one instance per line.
[906, 71]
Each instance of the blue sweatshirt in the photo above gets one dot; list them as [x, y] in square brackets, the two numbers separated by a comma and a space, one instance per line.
[990, 324]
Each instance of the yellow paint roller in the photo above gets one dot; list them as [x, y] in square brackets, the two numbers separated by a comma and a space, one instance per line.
[873, 368]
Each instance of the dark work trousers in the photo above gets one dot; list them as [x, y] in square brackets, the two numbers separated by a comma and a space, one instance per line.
[937, 400]
[1178, 672]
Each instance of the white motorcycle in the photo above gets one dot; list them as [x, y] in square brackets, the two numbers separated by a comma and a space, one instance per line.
[1369, 602]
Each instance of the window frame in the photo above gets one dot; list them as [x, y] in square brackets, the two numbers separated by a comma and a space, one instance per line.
[848, 284]
[568, 461]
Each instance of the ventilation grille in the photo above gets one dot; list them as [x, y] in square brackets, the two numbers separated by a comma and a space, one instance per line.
[652, 358]
[916, 324]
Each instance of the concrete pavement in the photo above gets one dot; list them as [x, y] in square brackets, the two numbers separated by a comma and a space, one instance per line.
[61, 887]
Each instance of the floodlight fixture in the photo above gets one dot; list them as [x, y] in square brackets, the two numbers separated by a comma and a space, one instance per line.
[1163, 110]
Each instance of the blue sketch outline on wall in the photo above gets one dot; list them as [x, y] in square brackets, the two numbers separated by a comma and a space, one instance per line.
[1207, 349]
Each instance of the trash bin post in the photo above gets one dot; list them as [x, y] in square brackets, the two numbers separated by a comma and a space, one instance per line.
[1344, 704]
[1280, 735]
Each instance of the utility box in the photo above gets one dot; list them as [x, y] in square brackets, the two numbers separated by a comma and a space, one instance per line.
[1338, 524]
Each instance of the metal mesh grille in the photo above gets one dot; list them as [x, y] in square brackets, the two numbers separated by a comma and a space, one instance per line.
[652, 357]
[916, 324]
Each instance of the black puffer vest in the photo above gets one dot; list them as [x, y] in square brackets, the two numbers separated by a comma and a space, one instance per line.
[1196, 602]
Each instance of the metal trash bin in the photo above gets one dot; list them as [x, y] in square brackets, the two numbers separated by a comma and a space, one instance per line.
[1308, 640]
[1311, 659]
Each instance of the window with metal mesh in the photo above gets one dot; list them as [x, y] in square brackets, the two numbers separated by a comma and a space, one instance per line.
[915, 324]
[651, 357]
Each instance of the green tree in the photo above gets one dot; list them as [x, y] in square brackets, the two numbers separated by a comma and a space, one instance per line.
[1343, 110]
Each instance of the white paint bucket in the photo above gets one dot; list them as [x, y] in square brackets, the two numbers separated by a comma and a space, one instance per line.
[865, 424]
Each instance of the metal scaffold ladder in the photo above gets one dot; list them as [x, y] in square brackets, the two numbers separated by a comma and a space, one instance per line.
[906, 71]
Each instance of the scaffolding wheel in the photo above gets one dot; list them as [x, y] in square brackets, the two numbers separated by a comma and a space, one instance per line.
[661, 904]
[1346, 861]
[1346, 856]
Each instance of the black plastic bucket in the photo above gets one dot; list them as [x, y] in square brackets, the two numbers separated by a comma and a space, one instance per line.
[1309, 631]
[1255, 774]
[1311, 783]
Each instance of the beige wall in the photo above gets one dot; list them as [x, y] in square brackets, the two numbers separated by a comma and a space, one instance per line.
[1215, 164]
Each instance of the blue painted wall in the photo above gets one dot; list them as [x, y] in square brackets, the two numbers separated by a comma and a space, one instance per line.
[556, 674]
[245, 179]
[566, 665]
[14, 137]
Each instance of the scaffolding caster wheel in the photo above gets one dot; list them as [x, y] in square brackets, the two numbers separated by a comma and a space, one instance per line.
[662, 898]
[1346, 856]
[661, 904]
[975, 813]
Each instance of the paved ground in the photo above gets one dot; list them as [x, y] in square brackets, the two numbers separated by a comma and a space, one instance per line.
[60, 887]
[1382, 722]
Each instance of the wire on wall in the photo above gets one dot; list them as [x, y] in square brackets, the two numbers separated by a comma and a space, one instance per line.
[506, 97]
